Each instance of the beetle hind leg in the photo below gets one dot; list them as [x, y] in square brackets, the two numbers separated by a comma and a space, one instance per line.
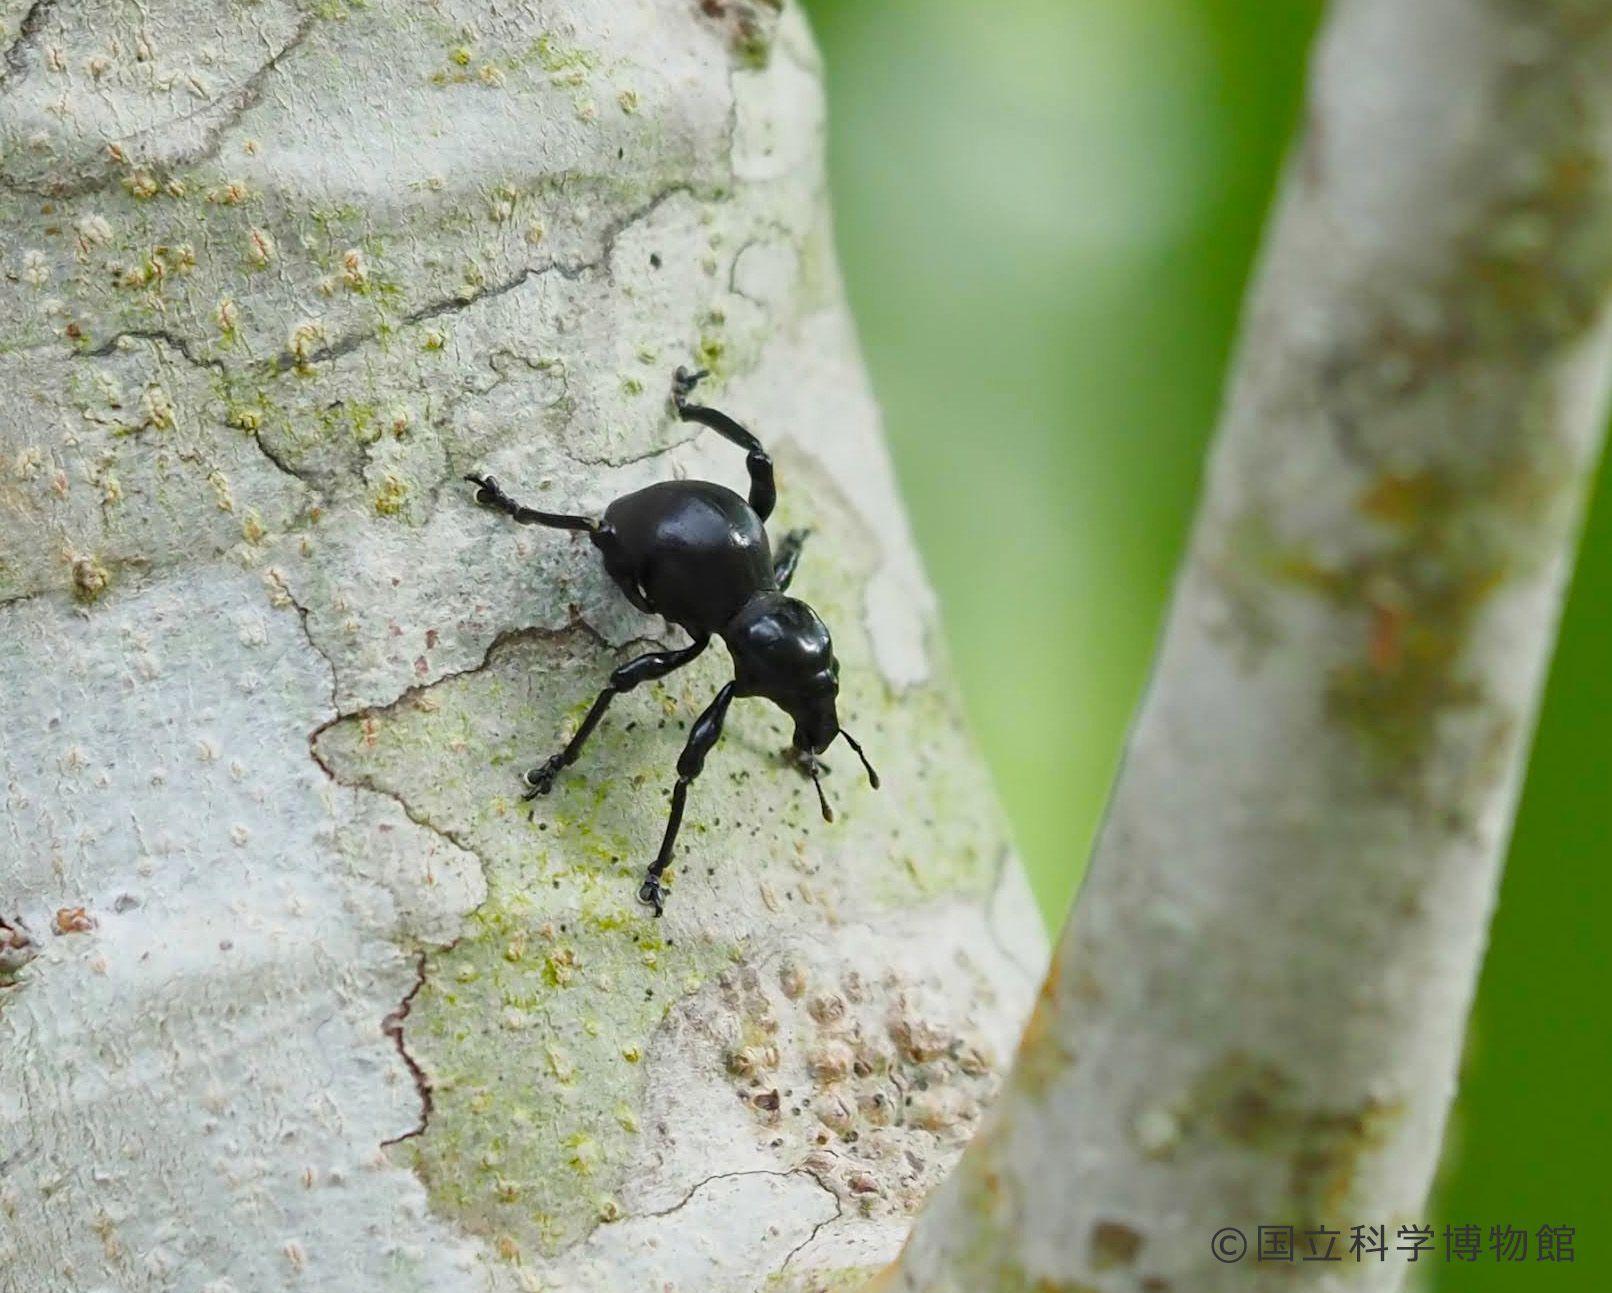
[763, 488]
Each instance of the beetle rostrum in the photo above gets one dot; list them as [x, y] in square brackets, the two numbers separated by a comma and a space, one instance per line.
[697, 555]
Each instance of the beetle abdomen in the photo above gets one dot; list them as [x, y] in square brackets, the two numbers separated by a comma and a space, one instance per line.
[696, 549]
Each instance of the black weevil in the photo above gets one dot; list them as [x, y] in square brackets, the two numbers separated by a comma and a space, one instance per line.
[696, 554]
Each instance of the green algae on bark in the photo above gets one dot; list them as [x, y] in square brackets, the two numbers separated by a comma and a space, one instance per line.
[533, 1025]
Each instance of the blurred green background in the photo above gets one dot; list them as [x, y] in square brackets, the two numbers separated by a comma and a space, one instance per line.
[1047, 210]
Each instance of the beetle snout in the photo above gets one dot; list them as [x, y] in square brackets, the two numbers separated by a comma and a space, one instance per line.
[816, 726]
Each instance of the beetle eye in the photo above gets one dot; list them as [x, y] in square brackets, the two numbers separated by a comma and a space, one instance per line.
[827, 683]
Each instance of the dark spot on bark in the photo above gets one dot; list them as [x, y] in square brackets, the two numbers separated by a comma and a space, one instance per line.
[1113, 1243]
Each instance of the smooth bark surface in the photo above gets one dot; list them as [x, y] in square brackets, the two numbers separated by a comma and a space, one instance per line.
[1256, 1014]
[293, 992]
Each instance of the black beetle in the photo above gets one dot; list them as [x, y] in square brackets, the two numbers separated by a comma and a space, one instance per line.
[697, 554]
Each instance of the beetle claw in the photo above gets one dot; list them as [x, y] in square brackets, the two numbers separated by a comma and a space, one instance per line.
[540, 780]
[685, 380]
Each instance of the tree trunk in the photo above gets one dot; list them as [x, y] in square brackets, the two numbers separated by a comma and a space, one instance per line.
[293, 992]
[1255, 1015]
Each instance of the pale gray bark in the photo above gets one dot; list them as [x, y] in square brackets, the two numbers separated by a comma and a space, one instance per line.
[335, 1014]
[1256, 1013]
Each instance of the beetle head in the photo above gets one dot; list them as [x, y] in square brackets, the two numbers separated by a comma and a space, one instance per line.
[782, 650]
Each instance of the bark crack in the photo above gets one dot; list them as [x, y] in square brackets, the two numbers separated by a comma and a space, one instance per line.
[288, 359]
[302, 617]
[183, 346]
[241, 100]
[364, 782]
[626, 460]
[839, 1206]
[505, 638]
[754, 1171]
[235, 103]
[392, 1026]
[993, 928]
[839, 1213]
[170, 339]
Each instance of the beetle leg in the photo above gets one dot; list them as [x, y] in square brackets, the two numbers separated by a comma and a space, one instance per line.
[620, 569]
[707, 728]
[489, 493]
[641, 669]
[763, 489]
[783, 569]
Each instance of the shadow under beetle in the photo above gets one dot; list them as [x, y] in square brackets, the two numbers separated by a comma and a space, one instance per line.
[696, 554]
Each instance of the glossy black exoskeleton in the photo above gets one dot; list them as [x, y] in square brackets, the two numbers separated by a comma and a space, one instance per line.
[697, 554]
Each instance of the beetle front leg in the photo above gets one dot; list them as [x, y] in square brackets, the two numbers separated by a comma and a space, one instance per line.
[641, 669]
[489, 493]
[707, 728]
[783, 567]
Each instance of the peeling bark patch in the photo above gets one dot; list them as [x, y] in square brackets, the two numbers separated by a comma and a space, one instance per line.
[524, 1025]
[521, 1023]
[750, 26]
[16, 57]
[16, 950]
[1255, 1105]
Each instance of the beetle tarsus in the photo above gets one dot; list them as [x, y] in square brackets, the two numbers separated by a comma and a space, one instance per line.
[684, 380]
[540, 780]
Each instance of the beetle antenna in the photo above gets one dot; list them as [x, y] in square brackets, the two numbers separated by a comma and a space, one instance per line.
[873, 777]
[822, 799]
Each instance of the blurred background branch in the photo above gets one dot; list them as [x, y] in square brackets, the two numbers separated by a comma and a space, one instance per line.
[1107, 169]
